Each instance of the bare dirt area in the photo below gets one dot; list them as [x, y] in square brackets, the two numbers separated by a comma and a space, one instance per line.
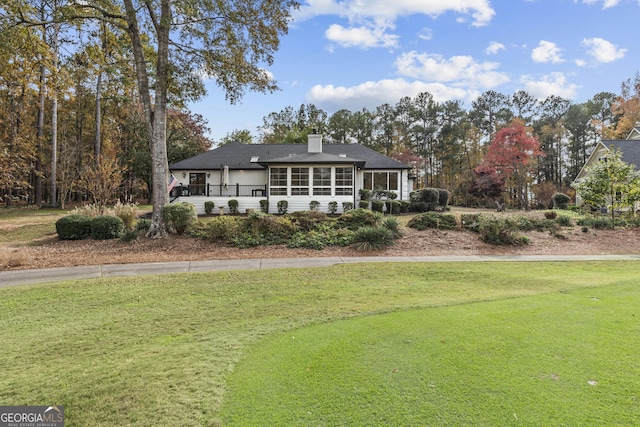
[52, 252]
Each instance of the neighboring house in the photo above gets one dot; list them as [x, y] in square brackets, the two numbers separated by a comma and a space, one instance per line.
[629, 147]
[297, 173]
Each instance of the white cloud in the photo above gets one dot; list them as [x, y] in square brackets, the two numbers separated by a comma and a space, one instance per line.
[606, 4]
[362, 37]
[546, 52]
[378, 16]
[602, 50]
[459, 70]
[494, 47]
[479, 10]
[375, 93]
[425, 34]
[551, 84]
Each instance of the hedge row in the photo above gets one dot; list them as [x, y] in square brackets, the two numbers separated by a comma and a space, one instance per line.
[76, 227]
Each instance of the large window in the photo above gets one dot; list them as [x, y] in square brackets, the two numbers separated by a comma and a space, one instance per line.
[299, 181]
[278, 184]
[321, 181]
[197, 184]
[386, 181]
[344, 181]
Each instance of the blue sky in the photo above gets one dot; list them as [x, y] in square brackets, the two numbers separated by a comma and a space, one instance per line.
[363, 53]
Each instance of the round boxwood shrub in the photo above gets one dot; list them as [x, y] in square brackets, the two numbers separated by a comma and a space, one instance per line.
[233, 206]
[377, 205]
[561, 200]
[106, 227]
[74, 227]
[208, 207]
[179, 217]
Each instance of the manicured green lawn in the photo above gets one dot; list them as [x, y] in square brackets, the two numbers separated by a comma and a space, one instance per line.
[557, 359]
[158, 350]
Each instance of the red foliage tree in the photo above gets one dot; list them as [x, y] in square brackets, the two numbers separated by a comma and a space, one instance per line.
[510, 158]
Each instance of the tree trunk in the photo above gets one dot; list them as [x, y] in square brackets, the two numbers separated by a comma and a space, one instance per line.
[54, 120]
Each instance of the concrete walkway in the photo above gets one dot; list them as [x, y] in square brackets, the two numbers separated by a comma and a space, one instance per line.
[21, 277]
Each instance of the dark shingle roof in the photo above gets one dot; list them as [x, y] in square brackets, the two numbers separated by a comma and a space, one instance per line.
[238, 156]
[630, 150]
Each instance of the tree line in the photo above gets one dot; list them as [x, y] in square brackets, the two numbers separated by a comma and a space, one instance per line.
[446, 143]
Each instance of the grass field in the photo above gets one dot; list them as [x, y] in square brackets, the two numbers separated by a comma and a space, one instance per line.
[180, 349]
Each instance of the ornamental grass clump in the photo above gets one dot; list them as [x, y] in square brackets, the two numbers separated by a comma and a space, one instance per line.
[372, 238]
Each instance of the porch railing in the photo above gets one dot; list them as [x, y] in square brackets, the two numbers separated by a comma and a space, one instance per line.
[211, 190]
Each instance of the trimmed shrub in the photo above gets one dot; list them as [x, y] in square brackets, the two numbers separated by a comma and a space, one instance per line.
[363, 204]
[314, 205]
[179, 217]
[223, 228]
[74, 227]
[264, 205]
[270, 229]
[561, 200]
[208, 207]
[333, 207]
[500, 231]
[395, 207]
[377, 205]
[106, 227]
[308, 220]
[443, 198]
[130, 236]
[233, 207]
[365, 194]
[433, 220]
[283, 206]
[470, 222]
[347, 206]
[564, 220]
[404, 206]
[357, 218]
[372, 238]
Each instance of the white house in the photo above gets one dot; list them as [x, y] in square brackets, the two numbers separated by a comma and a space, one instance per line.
[297, 173]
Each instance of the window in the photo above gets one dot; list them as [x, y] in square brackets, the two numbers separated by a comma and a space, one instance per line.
[197, 184]
[386, 181]
[278, 185]
[321, 181]
[299, 181]
[344, 181]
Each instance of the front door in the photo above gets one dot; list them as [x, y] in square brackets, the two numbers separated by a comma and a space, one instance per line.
[197, 184]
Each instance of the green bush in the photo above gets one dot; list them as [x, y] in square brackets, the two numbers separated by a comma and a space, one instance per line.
[270, 229]
[551, 214]
[319, 239]
[561, 200]
[433, 220]
[377, 205]
[404, 206]
[470, 222]
[363, 204]
[564, 220]
[357, 218]
[308, 220]
[365, 194]
[443, 198]
[233, 207]
[74, 227]
[500, 231]
[179, 217]
[395, 207]
[264, 205]
[283, 206]
[106, 227]
[208, 207]
[347, 206]
[333, 207]
[372, 238]
[314, 205]
[130, 236]
[143, 225]
[393, 224]
[223, 228]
